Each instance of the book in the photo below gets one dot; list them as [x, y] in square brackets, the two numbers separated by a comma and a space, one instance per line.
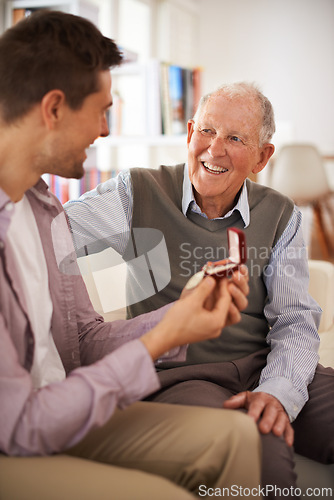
[71, 189]
[176, 98]
[197, 89]
[180, 94]
[166, 106]
[188, 95]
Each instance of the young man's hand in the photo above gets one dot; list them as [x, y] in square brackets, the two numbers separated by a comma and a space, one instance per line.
[238, 288]
[198, 315]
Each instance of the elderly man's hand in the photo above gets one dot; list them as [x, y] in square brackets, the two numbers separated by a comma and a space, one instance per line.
[266, 410]
[239, 289]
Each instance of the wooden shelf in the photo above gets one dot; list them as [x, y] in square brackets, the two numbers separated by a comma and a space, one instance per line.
[158, 140]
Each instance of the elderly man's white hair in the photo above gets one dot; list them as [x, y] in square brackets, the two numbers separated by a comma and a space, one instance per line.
[245, 89]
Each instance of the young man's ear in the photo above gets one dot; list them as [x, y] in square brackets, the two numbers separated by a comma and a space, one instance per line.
[52, 107]
[265, 154]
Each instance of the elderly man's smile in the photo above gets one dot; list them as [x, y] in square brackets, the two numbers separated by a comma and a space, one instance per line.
[213, 169]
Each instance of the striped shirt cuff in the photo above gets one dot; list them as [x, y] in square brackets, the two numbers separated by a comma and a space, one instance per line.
[283, 390]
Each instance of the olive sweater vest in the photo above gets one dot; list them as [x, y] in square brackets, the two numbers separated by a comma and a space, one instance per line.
[169, 248]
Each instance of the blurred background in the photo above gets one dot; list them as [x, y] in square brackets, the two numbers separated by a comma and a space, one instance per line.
[176, 50]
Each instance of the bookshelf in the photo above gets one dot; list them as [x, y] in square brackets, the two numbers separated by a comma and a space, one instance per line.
[17, 9]
[146, 140]
[153, 99]
[142, 127]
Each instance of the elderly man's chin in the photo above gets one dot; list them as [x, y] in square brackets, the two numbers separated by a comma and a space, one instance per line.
[204, 181]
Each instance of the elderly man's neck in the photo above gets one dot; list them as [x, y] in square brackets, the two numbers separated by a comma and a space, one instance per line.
[216, 206]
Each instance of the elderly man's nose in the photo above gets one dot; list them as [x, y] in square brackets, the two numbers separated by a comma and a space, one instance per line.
[217, 147]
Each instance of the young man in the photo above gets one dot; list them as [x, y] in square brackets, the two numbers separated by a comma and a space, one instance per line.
[65, 375]
[268, 363]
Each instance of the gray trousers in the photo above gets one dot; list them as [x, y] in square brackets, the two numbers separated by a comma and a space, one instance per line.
[146, 452]
[210, 384]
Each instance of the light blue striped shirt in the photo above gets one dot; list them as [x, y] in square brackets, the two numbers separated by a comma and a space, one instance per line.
[102, 217]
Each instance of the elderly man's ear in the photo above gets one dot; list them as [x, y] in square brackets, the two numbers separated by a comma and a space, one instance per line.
[190, 130]
[266, 153]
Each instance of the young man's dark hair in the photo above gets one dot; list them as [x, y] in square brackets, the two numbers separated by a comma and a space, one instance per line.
[46, 51]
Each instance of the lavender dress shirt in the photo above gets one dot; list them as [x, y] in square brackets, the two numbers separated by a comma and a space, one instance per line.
[106, 365]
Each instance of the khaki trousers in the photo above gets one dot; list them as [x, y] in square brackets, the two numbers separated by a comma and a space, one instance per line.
[143, 453]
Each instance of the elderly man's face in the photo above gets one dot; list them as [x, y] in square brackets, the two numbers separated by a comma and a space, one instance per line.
[223, 148]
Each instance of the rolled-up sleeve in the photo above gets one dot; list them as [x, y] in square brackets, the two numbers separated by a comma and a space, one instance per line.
[57, 416]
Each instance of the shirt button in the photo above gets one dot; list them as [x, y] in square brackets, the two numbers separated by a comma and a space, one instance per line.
[9, 207]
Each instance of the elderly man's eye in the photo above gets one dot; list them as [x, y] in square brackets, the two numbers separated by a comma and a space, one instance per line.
[207, 131]
[234, 138]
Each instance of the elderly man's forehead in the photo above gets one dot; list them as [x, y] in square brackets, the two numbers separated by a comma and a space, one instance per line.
[249, 103]
[245, 100]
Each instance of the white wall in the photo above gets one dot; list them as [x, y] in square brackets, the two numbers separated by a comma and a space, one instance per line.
[2, 16]
[287, 47]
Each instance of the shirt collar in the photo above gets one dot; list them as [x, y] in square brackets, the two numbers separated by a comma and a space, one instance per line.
[41, 191]
[7, 206]
[189, 202]
[6, 212]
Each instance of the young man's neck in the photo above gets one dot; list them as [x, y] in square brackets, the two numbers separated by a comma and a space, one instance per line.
[14, 189]
[17, 174]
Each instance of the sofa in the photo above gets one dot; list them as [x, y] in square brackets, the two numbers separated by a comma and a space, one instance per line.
[312, 474]
[98, 276]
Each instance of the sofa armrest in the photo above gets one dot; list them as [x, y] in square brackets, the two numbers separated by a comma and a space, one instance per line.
[321, 289]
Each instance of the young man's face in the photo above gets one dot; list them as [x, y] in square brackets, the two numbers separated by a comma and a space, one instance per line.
[79, 129]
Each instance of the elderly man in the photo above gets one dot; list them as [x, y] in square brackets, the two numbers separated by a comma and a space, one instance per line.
[65, 375]
[264, 364]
